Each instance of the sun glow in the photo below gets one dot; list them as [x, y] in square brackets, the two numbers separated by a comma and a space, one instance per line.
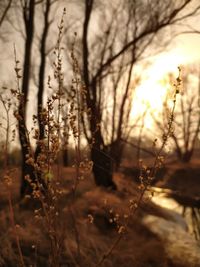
[152, 91]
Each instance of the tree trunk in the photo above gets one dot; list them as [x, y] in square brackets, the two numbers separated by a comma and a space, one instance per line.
[65, 157]
[102, 168]
[116, 151]
[26, 169]
[186, 156]
[102, 162]
[41, 75]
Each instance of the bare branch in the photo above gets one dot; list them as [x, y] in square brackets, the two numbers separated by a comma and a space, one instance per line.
[5, 12]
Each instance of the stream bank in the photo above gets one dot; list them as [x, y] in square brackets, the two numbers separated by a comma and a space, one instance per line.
[176, 233]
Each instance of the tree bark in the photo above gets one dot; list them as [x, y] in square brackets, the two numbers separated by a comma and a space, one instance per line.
[26, 169]
[102, 167]
[42, 78]
[65, 157]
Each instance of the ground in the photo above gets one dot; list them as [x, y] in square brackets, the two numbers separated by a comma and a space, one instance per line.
[94, 219]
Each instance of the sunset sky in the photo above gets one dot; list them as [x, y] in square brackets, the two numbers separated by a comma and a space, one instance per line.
[184, 49]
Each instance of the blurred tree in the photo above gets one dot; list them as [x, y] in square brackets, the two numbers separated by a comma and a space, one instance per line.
[41, 74]
[115, 36]
[187, 115]
[4, 8]
[28, 8]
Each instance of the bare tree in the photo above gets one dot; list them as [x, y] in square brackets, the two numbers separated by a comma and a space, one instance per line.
[123, 33]
[28, 8]
[41, 75]
[187, 116]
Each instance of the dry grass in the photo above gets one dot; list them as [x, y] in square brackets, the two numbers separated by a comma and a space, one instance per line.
[139, 247]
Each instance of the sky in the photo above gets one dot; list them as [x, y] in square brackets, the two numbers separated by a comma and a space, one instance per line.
[183, 50]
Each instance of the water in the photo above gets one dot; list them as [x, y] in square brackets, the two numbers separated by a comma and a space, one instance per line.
[180, 245]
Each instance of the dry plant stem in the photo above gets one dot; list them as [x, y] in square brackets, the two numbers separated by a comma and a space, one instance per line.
[60, 81]
[76, 115]
[51, 229]
[74, 192]
[72, 258]
[7, 130]
[170, 125]
[12, 219]
[51, 220]
[109, 252]
[121, 234]
[78, 154]
[77, 236]
[6, 173]
[140, 138]
[77, 147]
[137, 204]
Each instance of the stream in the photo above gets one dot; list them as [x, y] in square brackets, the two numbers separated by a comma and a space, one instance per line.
[180, 244]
